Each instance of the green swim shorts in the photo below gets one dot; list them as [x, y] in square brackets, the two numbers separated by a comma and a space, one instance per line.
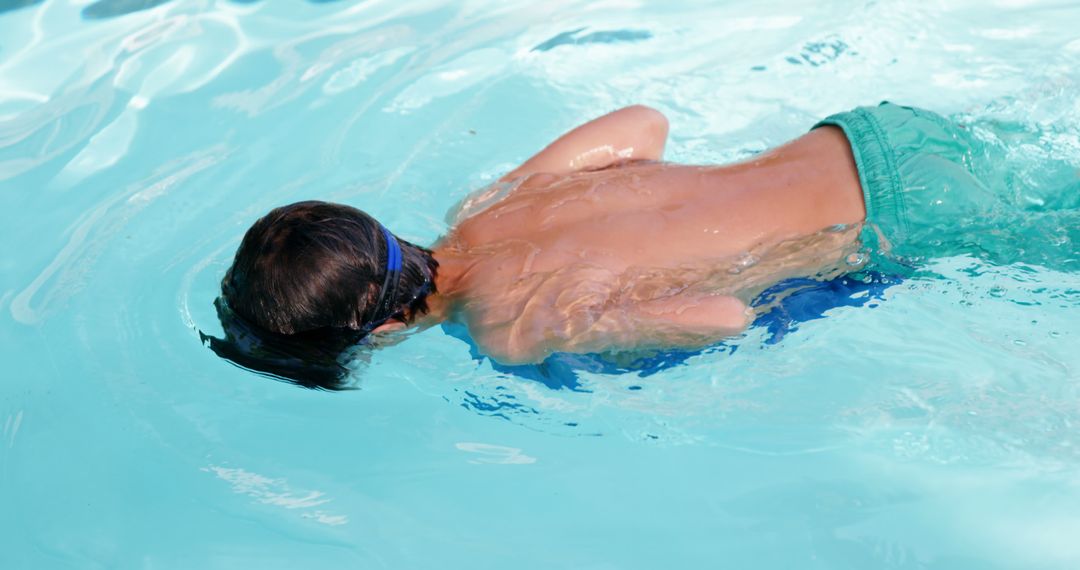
[935, 187]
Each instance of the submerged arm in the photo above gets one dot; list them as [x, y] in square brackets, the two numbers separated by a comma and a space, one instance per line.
[584, 317]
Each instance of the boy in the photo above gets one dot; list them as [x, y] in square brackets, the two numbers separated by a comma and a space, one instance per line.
[593, 245]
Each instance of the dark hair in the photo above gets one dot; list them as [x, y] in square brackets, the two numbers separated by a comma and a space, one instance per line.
[308, 360]
[306, 280]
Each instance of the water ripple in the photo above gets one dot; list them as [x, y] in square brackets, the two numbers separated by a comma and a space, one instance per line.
[138, 140]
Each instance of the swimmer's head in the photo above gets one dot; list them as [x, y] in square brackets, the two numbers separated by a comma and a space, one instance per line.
[312, 267]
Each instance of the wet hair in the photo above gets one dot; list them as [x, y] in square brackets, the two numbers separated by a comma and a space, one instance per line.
[306, 284]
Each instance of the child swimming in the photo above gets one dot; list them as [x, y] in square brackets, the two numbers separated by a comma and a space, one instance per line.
[595, 245]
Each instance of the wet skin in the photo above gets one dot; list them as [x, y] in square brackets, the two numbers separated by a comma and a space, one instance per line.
[592, 245]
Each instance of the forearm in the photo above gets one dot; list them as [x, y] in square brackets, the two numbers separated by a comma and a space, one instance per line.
[680, 320]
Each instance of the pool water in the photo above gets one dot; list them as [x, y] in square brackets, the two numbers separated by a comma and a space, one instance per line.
[869, 422]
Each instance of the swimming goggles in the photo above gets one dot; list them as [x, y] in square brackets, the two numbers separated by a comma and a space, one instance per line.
[384, 306]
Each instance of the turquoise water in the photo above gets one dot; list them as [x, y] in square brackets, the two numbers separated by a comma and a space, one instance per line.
[925, 423]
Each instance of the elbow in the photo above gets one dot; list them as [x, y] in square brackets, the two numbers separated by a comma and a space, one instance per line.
[651, 117]
[515, 357]
[650, 132]
[513, 354]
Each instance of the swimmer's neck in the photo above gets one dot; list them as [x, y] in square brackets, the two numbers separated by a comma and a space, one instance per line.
[448, 278]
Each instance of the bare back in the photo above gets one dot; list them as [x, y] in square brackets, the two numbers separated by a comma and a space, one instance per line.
[645, 254]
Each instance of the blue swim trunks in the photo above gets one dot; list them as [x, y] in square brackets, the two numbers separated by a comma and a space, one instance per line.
[935, 187]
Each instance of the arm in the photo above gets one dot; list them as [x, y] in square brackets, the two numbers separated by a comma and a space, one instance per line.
[631, 133]
[585, 318]
[685, 319]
